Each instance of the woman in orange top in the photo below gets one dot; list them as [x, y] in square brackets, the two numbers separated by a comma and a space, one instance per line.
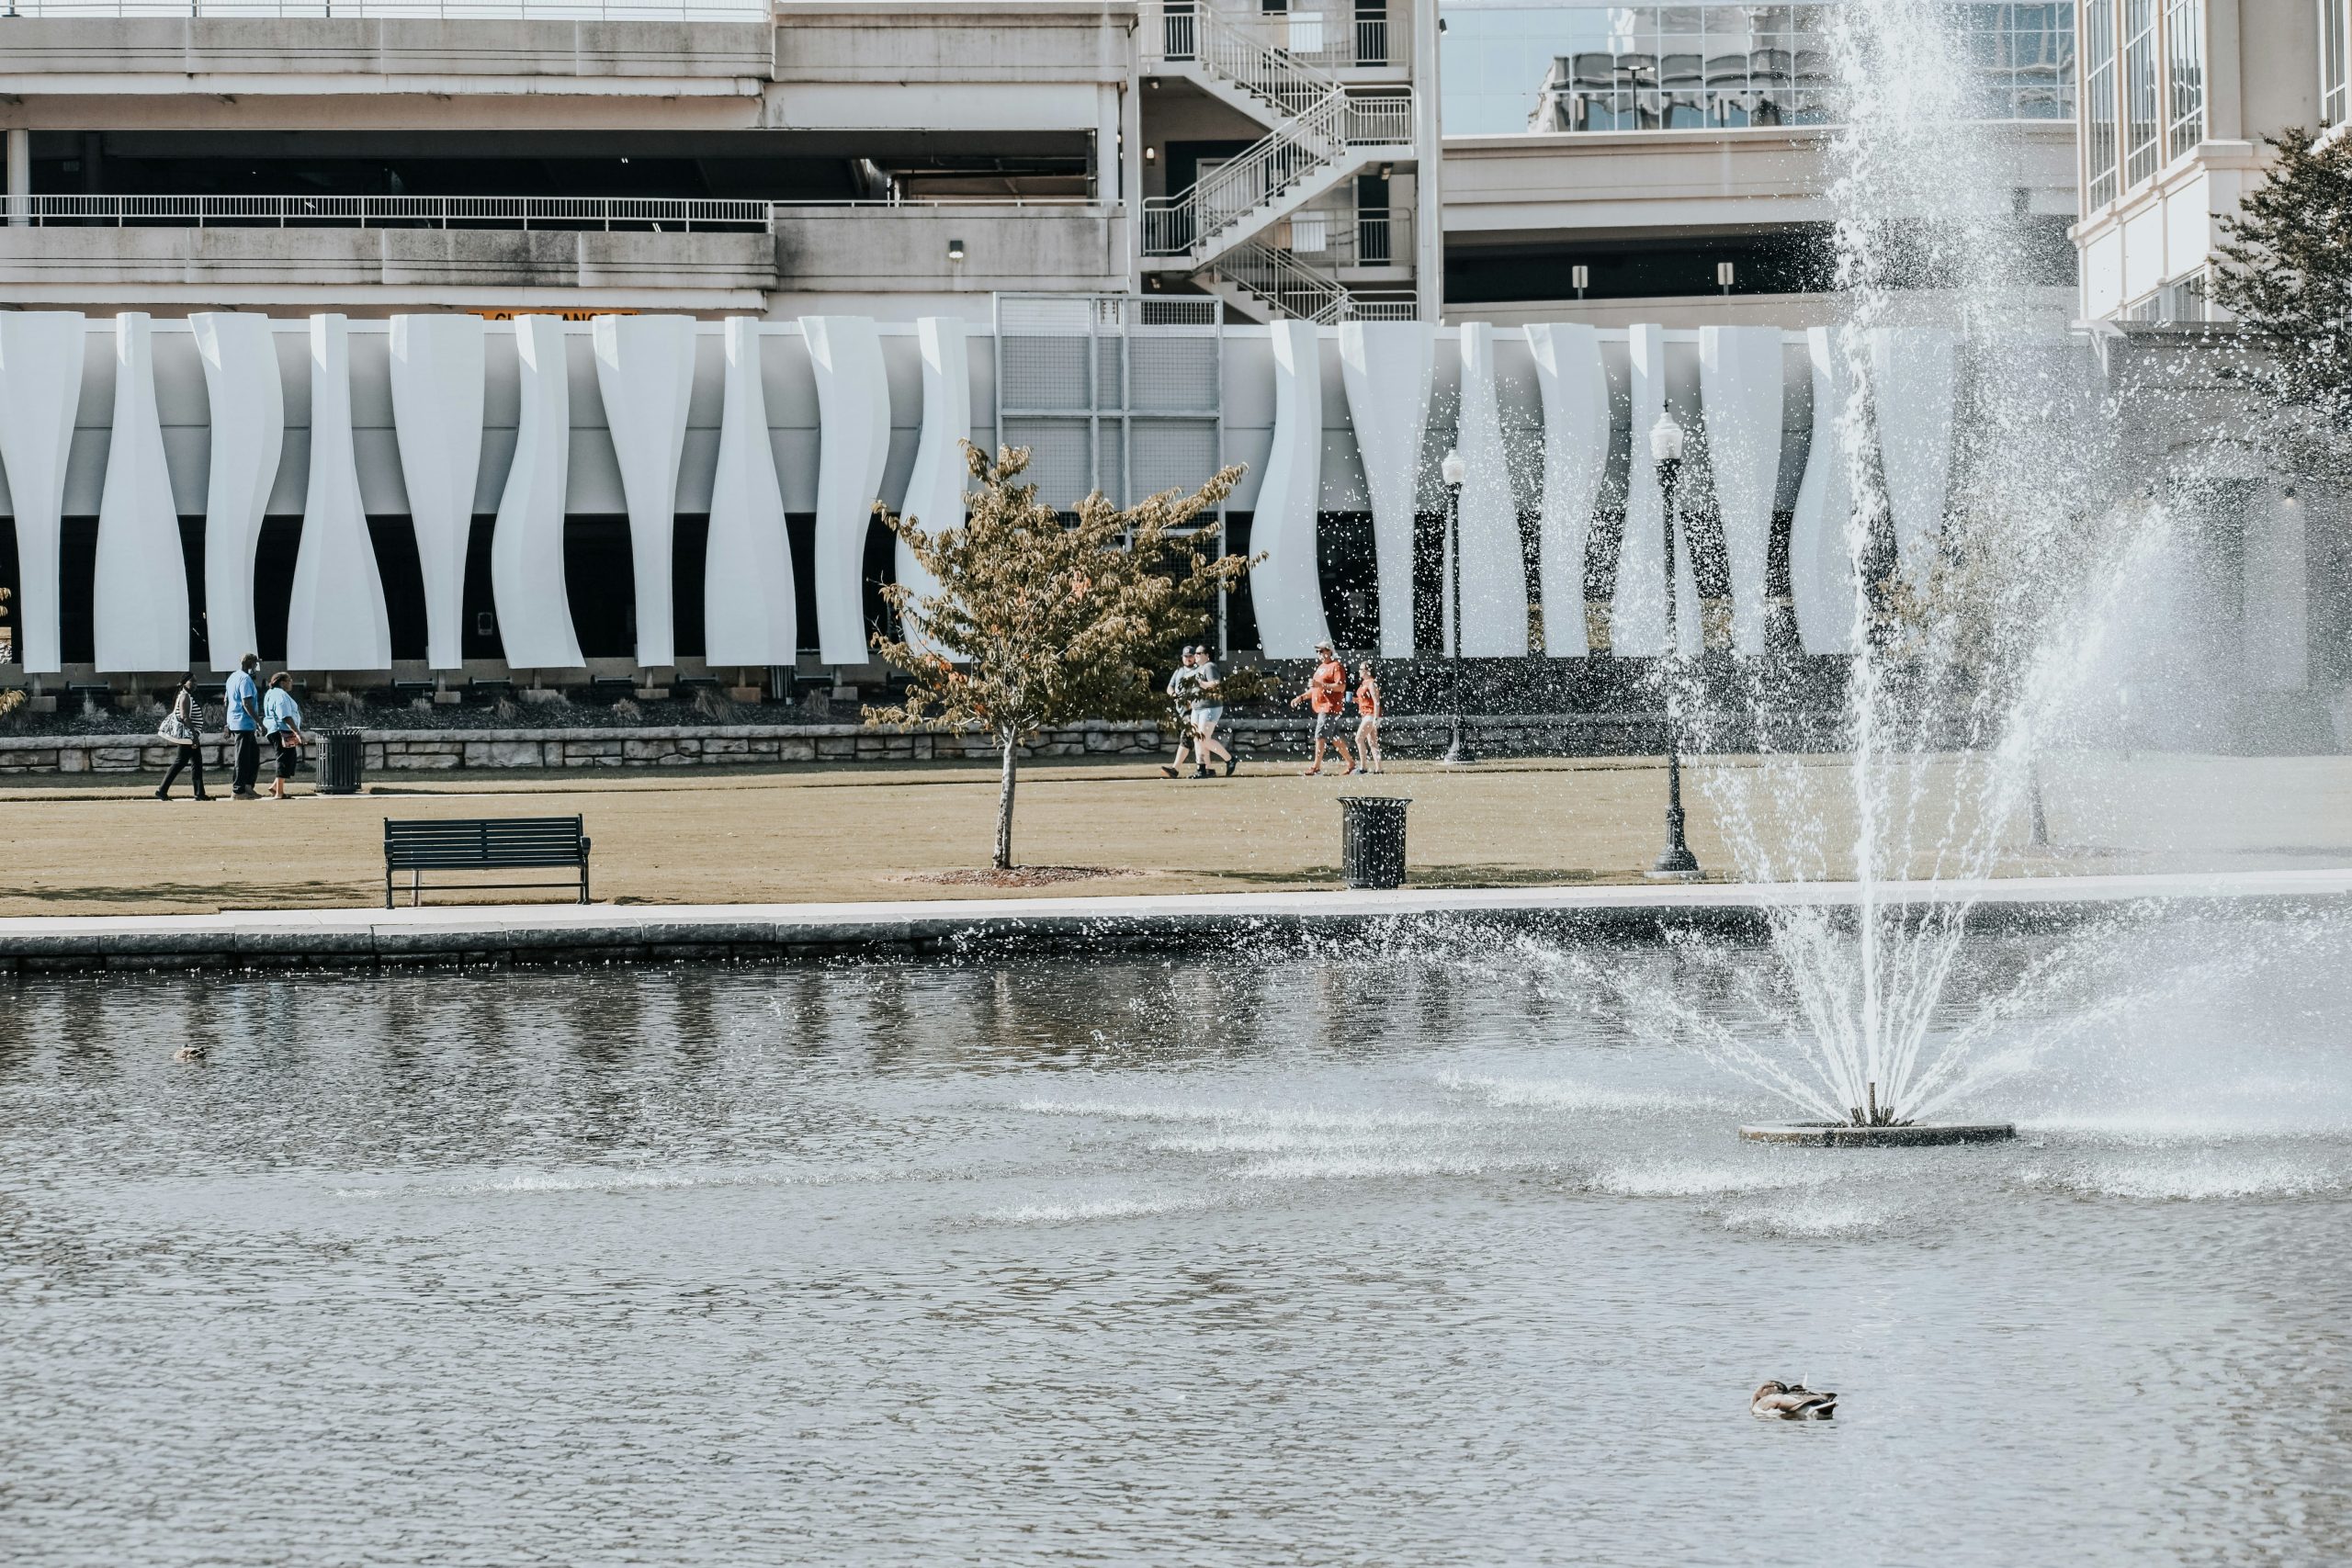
[1368, 710]
[1327, 690]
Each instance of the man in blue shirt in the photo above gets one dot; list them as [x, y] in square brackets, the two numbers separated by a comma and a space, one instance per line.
[244, 729]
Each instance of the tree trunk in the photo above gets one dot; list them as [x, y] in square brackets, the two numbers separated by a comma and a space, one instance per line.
[1004, 810]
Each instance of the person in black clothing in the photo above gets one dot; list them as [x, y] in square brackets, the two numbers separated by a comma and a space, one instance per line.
[185, 726]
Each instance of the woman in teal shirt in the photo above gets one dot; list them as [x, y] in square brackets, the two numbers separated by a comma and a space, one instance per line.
[281, 718]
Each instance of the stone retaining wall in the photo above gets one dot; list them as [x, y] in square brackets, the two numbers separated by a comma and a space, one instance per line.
[401, 750]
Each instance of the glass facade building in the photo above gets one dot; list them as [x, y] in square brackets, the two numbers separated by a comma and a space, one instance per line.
[1716, 65]
[2145, 79]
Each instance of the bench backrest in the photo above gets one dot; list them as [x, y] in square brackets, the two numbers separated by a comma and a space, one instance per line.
[499, 842]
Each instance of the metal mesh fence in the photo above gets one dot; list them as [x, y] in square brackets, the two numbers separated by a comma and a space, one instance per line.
[1112, 392]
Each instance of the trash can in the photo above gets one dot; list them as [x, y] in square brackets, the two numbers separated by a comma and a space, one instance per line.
[1372, 840]
[338, 761]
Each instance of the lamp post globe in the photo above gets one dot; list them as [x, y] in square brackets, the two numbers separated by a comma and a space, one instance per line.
[1454, 470]
[1675, 863]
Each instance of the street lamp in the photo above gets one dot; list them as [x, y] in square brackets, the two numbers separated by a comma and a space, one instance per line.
[1453, 469]
[1675, 861]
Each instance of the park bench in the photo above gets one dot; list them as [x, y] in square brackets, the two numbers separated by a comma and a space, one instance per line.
[483, 843]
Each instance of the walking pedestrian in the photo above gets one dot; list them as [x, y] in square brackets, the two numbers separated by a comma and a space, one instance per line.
[1180, 696]
[244, 729]
[184, 727]
[1369, 709]
[1208, 712]
[282, 716]
[1327, 688]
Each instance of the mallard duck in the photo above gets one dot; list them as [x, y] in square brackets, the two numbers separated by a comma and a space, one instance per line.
[1791, 1402]
[191, 1053]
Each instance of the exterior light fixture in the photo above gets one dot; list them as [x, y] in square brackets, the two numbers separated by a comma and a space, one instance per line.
[1666, 440]
[1453, 469]
[954, 250]
[1387, 171]
[1723, 274]
[1579, 278]
[1151, 155]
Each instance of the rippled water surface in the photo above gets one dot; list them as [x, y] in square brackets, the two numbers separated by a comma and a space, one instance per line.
[1412, 1257]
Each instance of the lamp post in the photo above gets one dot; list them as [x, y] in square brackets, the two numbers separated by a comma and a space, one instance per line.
[1453, 469]
[1676, 860]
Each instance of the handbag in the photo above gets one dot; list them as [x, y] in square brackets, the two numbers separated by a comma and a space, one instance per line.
[176, 729]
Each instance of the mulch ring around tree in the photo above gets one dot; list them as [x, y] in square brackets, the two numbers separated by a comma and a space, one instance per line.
[1017, 876]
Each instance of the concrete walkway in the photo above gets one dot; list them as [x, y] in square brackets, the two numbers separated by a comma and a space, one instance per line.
[604, 933]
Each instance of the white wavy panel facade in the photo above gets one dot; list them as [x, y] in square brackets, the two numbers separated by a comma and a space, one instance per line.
[1285, 586]
[1493, 568]
[1820, 548]
[336, 618]
[749, 614]
[1637, 607]
[645, 371]
[437, 368]
[1575, 387]
[1915, 378]
[239, 351]
[526, 548]
[41, 386]
[1388, 369]
[139, 604]
[853, 443]
[1739, 391]
[936, 489]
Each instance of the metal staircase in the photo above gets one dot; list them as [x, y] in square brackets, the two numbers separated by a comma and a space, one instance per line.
[1320, 136]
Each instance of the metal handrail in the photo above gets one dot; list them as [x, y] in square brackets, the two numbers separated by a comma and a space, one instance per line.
[1319, 36]
[1289, 286]
[421, 10]
[1198, 34]
[687, 214]
[1220, 205]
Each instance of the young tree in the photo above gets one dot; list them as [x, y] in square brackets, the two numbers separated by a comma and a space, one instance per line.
[1056, 621]
[2288, 276]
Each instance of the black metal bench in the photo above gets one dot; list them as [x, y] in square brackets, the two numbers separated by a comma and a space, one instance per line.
[483, 843]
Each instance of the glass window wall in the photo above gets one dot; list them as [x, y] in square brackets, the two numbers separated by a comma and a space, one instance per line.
[2332, 61]
[1715, 63]
[2099, 148]
[2185, 73]
[2139, 90]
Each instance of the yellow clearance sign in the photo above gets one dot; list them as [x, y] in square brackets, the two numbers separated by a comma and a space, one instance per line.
[568, 315]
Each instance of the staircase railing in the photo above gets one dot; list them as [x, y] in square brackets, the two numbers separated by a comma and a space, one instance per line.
[1191, 33]
[1200, 221]
[1285, 283]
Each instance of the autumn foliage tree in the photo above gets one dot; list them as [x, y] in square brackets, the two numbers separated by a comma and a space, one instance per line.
[1054, 620]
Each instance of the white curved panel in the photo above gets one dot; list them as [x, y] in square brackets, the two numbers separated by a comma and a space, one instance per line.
[853, 443]
[336, 618]
[139, 609]
[1574, 386]
[1494, 569]
[1637, 603]
[645, 371]
[437, 367]
[1388, 368]
[1739, 390]
[1821, 539]
[248, 419]
[936, 489]
[748, 606]
[1915, 376]
[1285, 586]
[527, 546]
[41, 386]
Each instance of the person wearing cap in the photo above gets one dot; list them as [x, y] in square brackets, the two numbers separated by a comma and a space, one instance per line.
[1179, 693]
[1208, 712]
[1327, 688]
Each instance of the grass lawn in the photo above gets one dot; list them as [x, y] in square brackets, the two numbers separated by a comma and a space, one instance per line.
[868, 831]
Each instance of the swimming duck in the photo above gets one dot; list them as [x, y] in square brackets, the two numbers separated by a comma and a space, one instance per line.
[191, 1053]
[1791, 1402]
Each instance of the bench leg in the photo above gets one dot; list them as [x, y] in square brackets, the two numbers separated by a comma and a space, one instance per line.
[387, 888]
[583, 881]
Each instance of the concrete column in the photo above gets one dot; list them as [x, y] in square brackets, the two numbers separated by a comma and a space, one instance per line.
[1107, 144]
[1131, 180]
[20, 177]
[1429, 132]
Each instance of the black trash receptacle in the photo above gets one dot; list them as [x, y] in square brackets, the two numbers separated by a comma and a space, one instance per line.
[1372, 840]
[338, 761]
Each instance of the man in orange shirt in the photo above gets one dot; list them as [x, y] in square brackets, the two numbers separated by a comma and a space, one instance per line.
[1327, 690]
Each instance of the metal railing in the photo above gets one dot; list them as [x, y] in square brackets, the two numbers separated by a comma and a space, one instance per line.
[1278, 279]
[1342, 234]
[1221, 204]
[660, 214]
[1331, 35]
[1245, 57]
[433, 10]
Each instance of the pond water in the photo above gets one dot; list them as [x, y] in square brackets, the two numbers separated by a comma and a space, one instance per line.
[1414, 1256]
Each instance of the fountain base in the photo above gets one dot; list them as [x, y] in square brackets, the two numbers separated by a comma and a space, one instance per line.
[1847, 1135]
